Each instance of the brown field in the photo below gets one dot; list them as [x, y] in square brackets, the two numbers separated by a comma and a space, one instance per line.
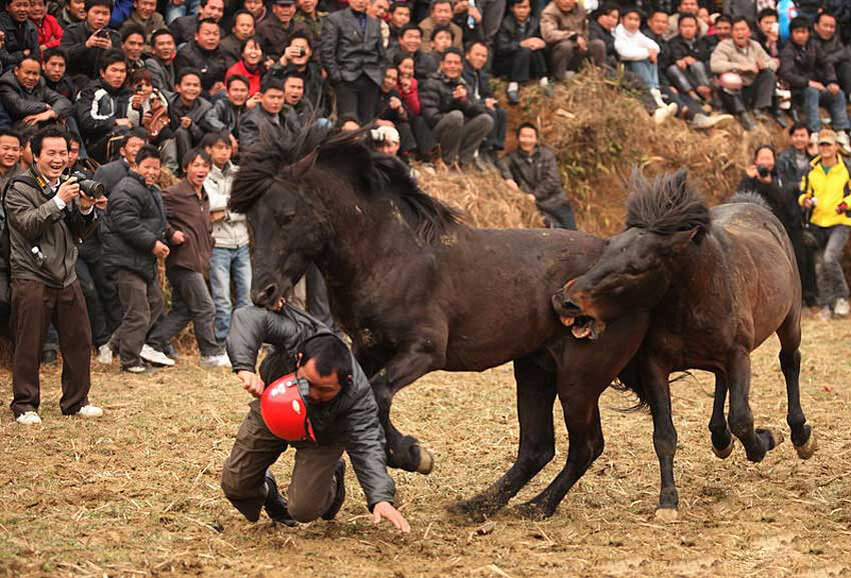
[136, 493]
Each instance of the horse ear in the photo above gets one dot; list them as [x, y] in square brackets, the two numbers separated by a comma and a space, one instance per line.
[305, 164]
[681, 240]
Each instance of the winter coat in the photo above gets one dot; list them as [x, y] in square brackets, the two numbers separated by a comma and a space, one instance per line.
[19, 37]
[231, 47]
[832, 50]
[728, 57]
[223, 116]
[49, 32]
[428, 25]
[121, 10]
[20, 102]
[776, 194]
[425, 63]
[633, 46]
[254, 78]
[597, 32]
[197, 112]
[411, 98]
[83, 60]
[164, 74]
[111, 173]
[190, 214]
[347, 52]
[97, 109]
[349, 420]
[511, 33]
[275, 37]
[537, 174]
[135, 221]
[801, 64]
[829, 190]
[231, 232]
[679, 48]
[212, 64]
[152, 24]
[437, 100]
[257, 126]
[478, 83]
[557, 25]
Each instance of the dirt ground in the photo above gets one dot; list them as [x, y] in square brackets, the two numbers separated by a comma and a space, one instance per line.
[136, 493]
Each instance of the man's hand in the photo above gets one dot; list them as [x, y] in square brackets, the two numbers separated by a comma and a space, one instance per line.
[490, 103]
[216, 216]
[395, 103]
[95, 41]
[388, 512]
[86, 202]
[460, 92]
[809, 203]
[125, 122]
[185, 121]
[654, 54]
[689, 60]
[841, 208]
[217, 87]
[178, 238]
[160, 250]
[69, 190]
[833, 88]
[681, 64]
[816, 85]
[136, 101]
[252, 383]
[40, 117]
[252, 101]
[101, 202]
[512, 184]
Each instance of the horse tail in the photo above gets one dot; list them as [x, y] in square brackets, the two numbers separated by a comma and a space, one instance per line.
[630, 380]
[750, 197]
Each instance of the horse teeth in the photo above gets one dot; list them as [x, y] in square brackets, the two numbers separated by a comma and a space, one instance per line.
[567, 321]
[581, 332]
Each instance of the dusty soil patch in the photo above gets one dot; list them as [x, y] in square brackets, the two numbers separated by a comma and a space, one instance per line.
[136, 493]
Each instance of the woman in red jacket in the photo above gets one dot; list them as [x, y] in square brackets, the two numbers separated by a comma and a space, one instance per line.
[407, 87]
[49, 31]
[251, 64]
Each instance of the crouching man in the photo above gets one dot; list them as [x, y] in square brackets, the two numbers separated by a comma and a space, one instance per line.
[341, 415]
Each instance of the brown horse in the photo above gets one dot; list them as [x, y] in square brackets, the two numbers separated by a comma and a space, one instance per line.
[718, 283]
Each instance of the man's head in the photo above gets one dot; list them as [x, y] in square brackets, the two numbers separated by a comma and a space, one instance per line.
[76, 9]
[477, 55]
[658, 22]
[284, 10]
[307, 6]
[164, 46]
[37, 10]
[566, 5]
[391, 78]
[631, 19]
[400, 14]
[358, 5]
[237, 89]
[764, 156]
[441, 39]
[827, 145]
[133, 42]
[301, 41]
[10, 150]
[208, 35]
[272, 94]
[147, 164]
[326, 363]
[130, 145]
[293, 89]
[145, 8]
[19, 10]
[687, 26]
[218, 145]
[452, 63]
[799, 30]
[410, 38]
[98, 13]
[54, 64]
[243, 24]
[377, 9]
[607, 16]
[188, 84]
[527, 137]
[767, 22]
[196, 166]
[28, 72]
[256, 7]
[741, 32]
[825, 25]
[799, 136]
[386, 139]
[688, 7]
[211, 10]
[723, 27]
[113, 68]
[73, 150]
[49, 148]
[441, 12]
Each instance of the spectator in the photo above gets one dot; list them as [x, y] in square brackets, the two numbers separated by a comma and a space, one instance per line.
[250, 65]
[378, 9]
[768, 32]
[812, 78]
[72, 12]
[113, 172]
[441, 39]
[441, 15]
[227, 112]
[299, 58]
[824, 192]
[27, 99]
[478, 82]
[120, 13]
[410, 43]
[492, 12]
[230, 264]
[310, 18]
[53, 72]
[188, 212]
[10, 156]
[187, 110]
[204, 50]
[691, 7]
[176, 9]
[49, 31]
[564, 27]
[149, 112]
[386, 139]
[138, 235]
[459, 126]
[297, 111]
[45, 289]
[186, 27]
[103, 106]
[161, 63]
[258, 10]
[751, 67]
[723, 30]
[86, 42]
[145, 16]
[469, 19]
[533, 169]
[392, 113]
[400, 16]
[408, 87]
[20, 34]
[275, 32]
[353, 55]
[520, 50]
[638, 52]
[602, 26]
[242, 29]
[265, 123]
[832, 49]
[133, 46]
[687, 55]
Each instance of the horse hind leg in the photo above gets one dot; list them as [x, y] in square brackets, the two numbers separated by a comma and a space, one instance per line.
[722, 439]
[803, 437]
[757, 442]
[536, 392]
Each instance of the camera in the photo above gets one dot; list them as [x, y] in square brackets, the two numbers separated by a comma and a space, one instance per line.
[377, 136]
[102, 33]
[763, 171]
[89, 187]
[301, 52]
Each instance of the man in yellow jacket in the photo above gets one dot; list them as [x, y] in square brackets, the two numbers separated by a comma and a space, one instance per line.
[825, 190]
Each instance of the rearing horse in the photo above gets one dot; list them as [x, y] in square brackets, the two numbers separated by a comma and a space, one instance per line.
[418, 291]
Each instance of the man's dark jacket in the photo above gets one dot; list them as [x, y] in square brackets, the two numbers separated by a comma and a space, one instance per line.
[111, 173]
[258, 126]
[275, 37]
[801, 64]
[190, 214]
[135, 221]
[98, 107]
[83, 60]
[678, 49]
[20, 102]
[212, 64]
[223, 116]
[509, 36]
[436, 99]
[347, 51]
[833, 51]
[19, 37]
[349, 420]
[537, 174]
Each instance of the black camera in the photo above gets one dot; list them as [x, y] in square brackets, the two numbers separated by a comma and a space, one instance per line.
[763, 171]
[301, 52]
[89, 187]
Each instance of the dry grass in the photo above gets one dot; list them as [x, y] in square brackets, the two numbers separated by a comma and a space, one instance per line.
[136, 493]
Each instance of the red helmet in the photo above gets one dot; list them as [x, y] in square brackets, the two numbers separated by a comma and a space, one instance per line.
[284, 410]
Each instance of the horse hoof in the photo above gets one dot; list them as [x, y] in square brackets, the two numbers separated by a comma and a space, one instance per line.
[472, 509]
[809, 447]
[426, 462]
[725, 453]
[667, 514]
[531, 511]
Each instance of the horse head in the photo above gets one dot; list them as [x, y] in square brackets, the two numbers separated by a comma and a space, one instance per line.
[665, 218]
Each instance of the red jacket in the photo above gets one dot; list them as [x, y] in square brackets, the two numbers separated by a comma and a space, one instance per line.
[254, 78]
[411, 99]
[49, 32]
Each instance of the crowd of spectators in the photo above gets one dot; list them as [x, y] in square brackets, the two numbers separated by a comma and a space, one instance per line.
[138, 86]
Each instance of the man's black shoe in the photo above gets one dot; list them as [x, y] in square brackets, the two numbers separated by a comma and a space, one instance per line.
[276, 504]
[746, 121]
[340, 496]
[49, 357]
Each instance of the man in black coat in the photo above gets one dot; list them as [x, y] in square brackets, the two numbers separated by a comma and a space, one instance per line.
[86, 42]
[478, 82]
[410, 44]
[21, 35]
[136, 235]
[204, 54]
[827, 39]
[161, 62]
[184, 28]
[102, 107]
[340, 413]
[353, 55]
[520, 54]
[113, 172]
[266, 122]
[276, 31]
[26, 97]
[55, 65]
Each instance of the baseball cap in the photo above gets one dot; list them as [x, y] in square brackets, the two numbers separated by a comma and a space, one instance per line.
[284, 2]
[826, 136]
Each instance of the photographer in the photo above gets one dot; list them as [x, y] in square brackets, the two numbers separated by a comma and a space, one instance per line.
[47, 217]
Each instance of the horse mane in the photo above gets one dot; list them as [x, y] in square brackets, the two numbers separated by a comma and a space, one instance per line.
[749, 197]
[371, 174]
[666, 205]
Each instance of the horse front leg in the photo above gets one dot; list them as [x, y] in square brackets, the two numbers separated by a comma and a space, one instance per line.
[536, 393]
[757, 442]
[403, 451]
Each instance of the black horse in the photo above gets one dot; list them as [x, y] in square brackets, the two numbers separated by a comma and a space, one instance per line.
[718, 282]
[418, 291]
